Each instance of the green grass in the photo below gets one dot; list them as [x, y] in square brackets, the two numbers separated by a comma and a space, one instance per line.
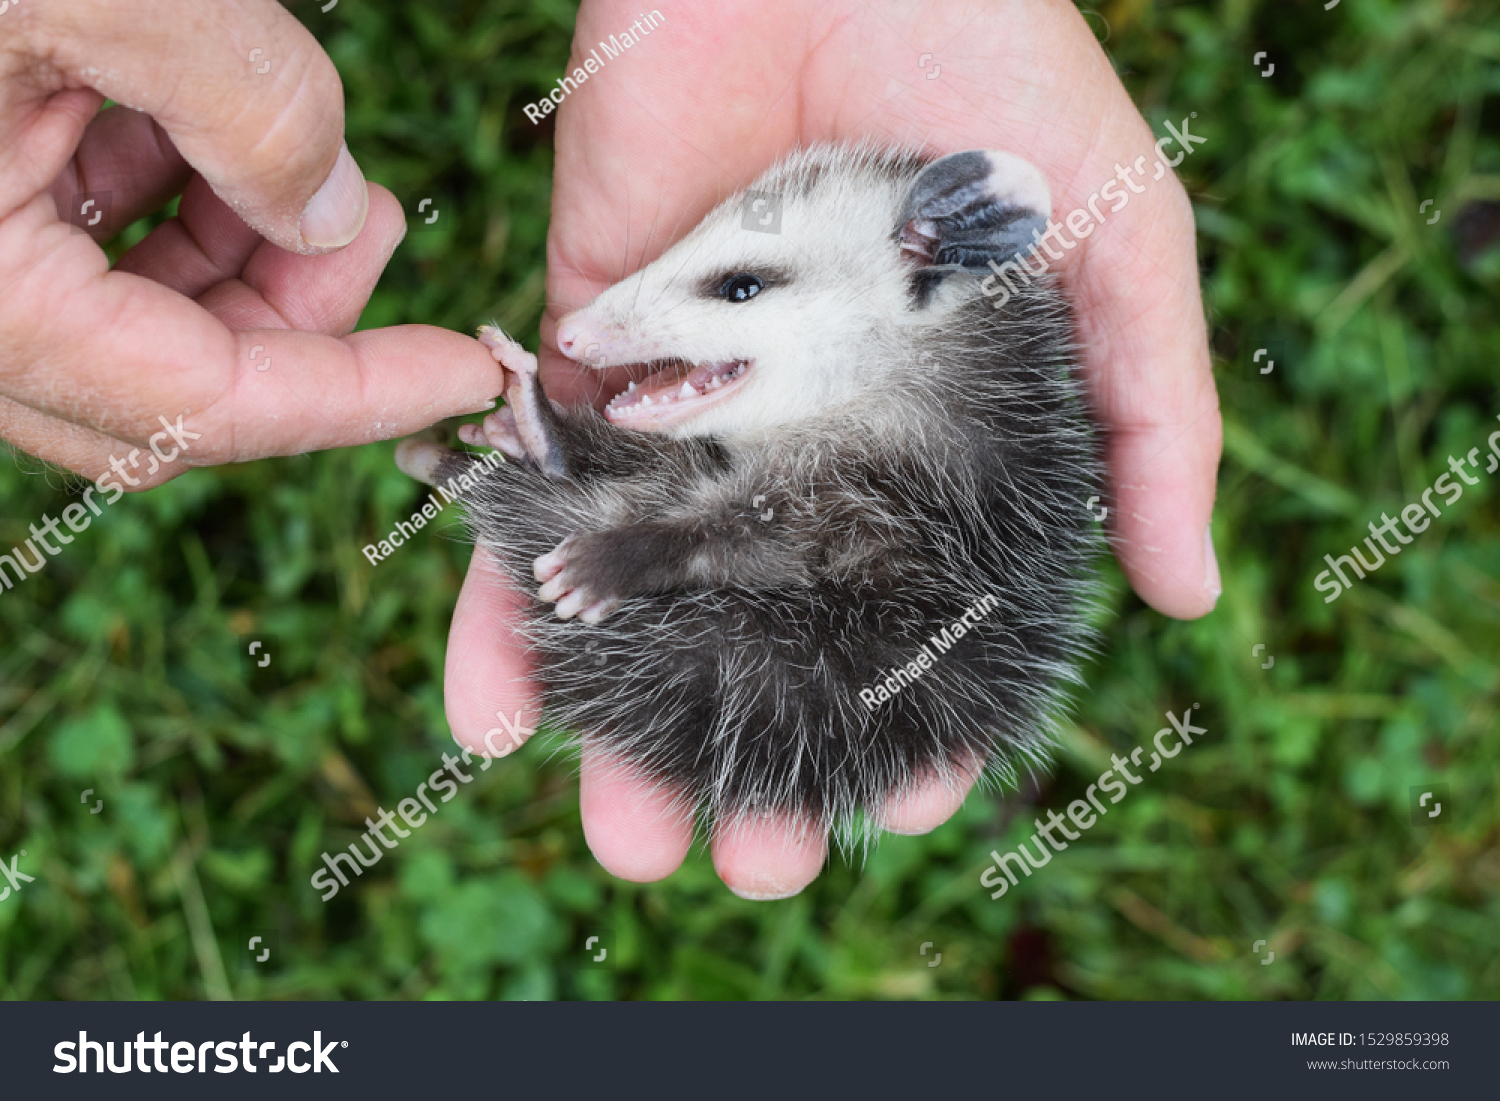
[124, 664]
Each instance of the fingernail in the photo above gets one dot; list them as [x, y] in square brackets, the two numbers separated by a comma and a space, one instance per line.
[1211, 566]
[337, 212]
[767, 896]
[485, 408]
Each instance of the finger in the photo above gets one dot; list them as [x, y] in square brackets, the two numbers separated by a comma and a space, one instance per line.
[294, 392]
[327, 294]
[208, 251]
[1164, 477]
[254, 105]
[635, 829]
[487, 678]
[115, 352]
[762, 858]
[324, 294]
[926, 806]
[205, 244]
[636, 832]
[290, 392]
[39, 135]
[1141, 324]
[127, 158]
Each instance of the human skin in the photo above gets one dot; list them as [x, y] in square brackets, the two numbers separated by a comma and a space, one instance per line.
[276, 246]
[273, 248]
[701, 107]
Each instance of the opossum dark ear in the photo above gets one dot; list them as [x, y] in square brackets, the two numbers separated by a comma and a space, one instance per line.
[967, 209]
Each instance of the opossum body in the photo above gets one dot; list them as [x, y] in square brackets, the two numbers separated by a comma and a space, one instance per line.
[834, 541]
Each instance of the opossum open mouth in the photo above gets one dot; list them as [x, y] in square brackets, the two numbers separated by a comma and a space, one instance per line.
[674, 392]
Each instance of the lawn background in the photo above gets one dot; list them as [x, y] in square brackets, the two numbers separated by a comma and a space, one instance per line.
[124, 665]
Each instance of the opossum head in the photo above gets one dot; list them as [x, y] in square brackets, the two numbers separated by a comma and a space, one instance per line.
[807, 292]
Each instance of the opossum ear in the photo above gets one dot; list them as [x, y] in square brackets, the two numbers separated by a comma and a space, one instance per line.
[968, 209]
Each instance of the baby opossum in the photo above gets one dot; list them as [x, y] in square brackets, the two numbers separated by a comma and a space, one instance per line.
[833, 540]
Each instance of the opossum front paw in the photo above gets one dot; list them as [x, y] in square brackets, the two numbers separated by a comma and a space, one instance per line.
[498, 431]
[564, 582]
[530, 425]
[507, 352]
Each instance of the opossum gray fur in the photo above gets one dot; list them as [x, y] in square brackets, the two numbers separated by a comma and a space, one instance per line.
[885, 448]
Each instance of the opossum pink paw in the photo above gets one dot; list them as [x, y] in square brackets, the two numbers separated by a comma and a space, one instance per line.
[527, 419]
[563, 584]
[507, 352]
[498, 431]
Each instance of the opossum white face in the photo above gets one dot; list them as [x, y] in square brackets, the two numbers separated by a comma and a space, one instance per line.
[794, 299]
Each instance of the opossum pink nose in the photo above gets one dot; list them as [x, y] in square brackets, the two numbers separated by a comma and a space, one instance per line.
[572, 335]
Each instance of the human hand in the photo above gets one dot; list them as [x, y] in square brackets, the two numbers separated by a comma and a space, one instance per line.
[697, 110]
[238, 109]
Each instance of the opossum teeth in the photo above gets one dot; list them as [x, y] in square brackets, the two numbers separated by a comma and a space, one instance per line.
[670, 393]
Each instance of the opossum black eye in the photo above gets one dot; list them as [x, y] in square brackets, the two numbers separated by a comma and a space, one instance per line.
[741, 287]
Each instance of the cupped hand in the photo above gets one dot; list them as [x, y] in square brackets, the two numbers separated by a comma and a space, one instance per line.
[235, 314]
[706, 102]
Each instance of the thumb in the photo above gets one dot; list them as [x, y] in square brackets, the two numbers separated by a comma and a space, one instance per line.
[246, 94]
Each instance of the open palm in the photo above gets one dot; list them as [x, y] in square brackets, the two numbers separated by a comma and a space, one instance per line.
[698, 109]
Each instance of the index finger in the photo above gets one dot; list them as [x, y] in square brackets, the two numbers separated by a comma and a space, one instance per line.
[113, 351]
